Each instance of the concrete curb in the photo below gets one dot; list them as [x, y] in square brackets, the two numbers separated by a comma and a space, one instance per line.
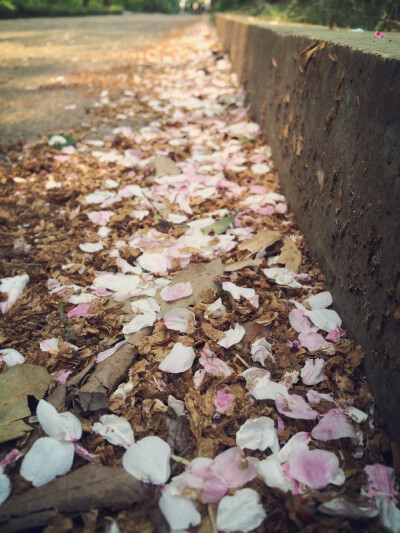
[328, 103]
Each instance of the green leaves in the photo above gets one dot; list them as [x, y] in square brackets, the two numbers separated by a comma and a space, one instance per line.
[220, 226]
[16, 384]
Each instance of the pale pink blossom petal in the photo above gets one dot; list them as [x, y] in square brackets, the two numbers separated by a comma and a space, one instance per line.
[238, 292]
[153, 262]
[80, 310]
[5, 486]
[198, 377]
[177, 291]
[389, 513]
[261, 351]
[313, 371]
[178, 406]
[234, 468]
[260, 385]
[240, 512]
[223, 400]
[314, 342]
[102, 356]
[101, 218]
[215, 310]
[59, 426]
[213, 365]
[49, 345]
[139, 322]
[13, 287]
[294, 407]
[148, 460]
[47, 459]
[319, 301]
[381, 481]
[299, 438]
[115, 429]
[11, 357]
[334, 426]
[282, 276]
[11, 457]
[82, 452]
[325, 319]
[335, 334]
[272, 472]
[316, 468]
[379, 35]
[178, 319]
[314, 396]
[232, 336]
[179, 512]
[62, 375]
[179, 359]
[300, 322]
[91, 247]
[258, 434]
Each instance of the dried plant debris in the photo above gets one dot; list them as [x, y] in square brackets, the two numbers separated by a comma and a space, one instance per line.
[155, 273]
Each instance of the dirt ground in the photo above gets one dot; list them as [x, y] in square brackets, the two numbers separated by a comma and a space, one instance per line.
[39, 57]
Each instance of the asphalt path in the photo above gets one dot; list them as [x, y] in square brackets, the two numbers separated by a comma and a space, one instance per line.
[40, 57]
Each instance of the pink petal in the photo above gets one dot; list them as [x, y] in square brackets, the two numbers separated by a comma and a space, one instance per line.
[102, 356]
[335, 334]
[381, 481]
[11, 457]
[315, 468]
[101, 217]
[171, 293]
[294, 407]
[198, 377]
[299, 321]
[82, 452]
[314, 342]
[223, 400]
[334, 426]
[234, 468]
[213, 365]
[178, 319]
[80, 310]
[313, 371]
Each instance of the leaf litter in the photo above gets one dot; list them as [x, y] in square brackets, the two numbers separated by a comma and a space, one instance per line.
[155, 285]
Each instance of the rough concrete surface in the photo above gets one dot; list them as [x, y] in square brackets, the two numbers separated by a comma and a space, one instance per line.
[329, 105]
[38, 56]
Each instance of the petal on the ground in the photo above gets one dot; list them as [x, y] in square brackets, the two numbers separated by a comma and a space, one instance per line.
[240, 512]
[179, 512]
[148, 460]
[13, 288]
[176, 292]
[115, 429]
[11, 357]
[179, 359]
[232, 336]
[59, 426]
[258, 434]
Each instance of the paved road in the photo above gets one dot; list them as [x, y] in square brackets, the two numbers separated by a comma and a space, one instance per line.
[37, 57]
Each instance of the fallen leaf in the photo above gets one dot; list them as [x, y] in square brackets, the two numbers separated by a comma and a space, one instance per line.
[262, 239]
[290, 256]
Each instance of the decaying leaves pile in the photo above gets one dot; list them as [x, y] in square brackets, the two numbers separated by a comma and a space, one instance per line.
[161, 320]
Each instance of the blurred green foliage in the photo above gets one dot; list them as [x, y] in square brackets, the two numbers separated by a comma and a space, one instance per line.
[366, 14]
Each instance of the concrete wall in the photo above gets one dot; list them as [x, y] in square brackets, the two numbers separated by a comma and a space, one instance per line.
[329, 105]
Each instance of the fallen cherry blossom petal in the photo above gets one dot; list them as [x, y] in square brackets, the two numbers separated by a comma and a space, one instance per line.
[282, 276]
[101, 218]
[47, 459]
[389, 513]
[294, 406]
[80, 310]
[178, 406]
[260, 385]
[148, 460]
[179, 359]
[215, 310]
[178, 319]
[238, 292]
[379, 35]
[11, 357]
[115, 282]
[381, 480]
[179, 512]
[325, 319]
[315, 468]
[240, 512]
[335, 334]
[258, 434]
[314, 342]
[299, 438]
[334, 426]
[82, 452]
[153, 262]
[300, 322]
[13, 287]
[5, 486]
[11, 457]
[176, 292]
[102, 356]
[115, 429]
[232, 336]
[91, 247]
[213, 365]
[313, 371]
[321, 300]
[59, 426]
[346, 509]
[145, 305]
[261, 351]
[223, 400]
[272, 472]
[234, 468]
[139, 322]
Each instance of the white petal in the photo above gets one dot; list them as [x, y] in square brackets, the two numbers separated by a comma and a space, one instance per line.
[116, 282]
[237, 292]
[178, 319]
[13, 287]
[145, 305]
[282, 276]
[116, 429]
[320, 301]
[260, 385]
[59, 426]
[139, 322]
[232, 336]
[215, 310]
[108, 353]
[5, 486]
[91, 247]
[258, 434]
[272, 472]
[98, 197]
[240, 512]
[325, 319]
[389, 513]
[11, 357]
[47, 459]
[177, 405]
[179, 359]
[179, 512]
[153, 262]
[148, 460]
[176, 292]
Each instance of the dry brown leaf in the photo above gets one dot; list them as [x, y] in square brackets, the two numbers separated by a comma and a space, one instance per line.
[290, 256]
[262, 239]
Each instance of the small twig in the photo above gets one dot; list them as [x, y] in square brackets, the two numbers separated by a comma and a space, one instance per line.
[180, 459]
[154, 207]
[212, 519]
[242, 360]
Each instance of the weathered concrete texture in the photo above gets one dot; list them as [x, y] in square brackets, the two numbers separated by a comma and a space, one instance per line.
[328, 102]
